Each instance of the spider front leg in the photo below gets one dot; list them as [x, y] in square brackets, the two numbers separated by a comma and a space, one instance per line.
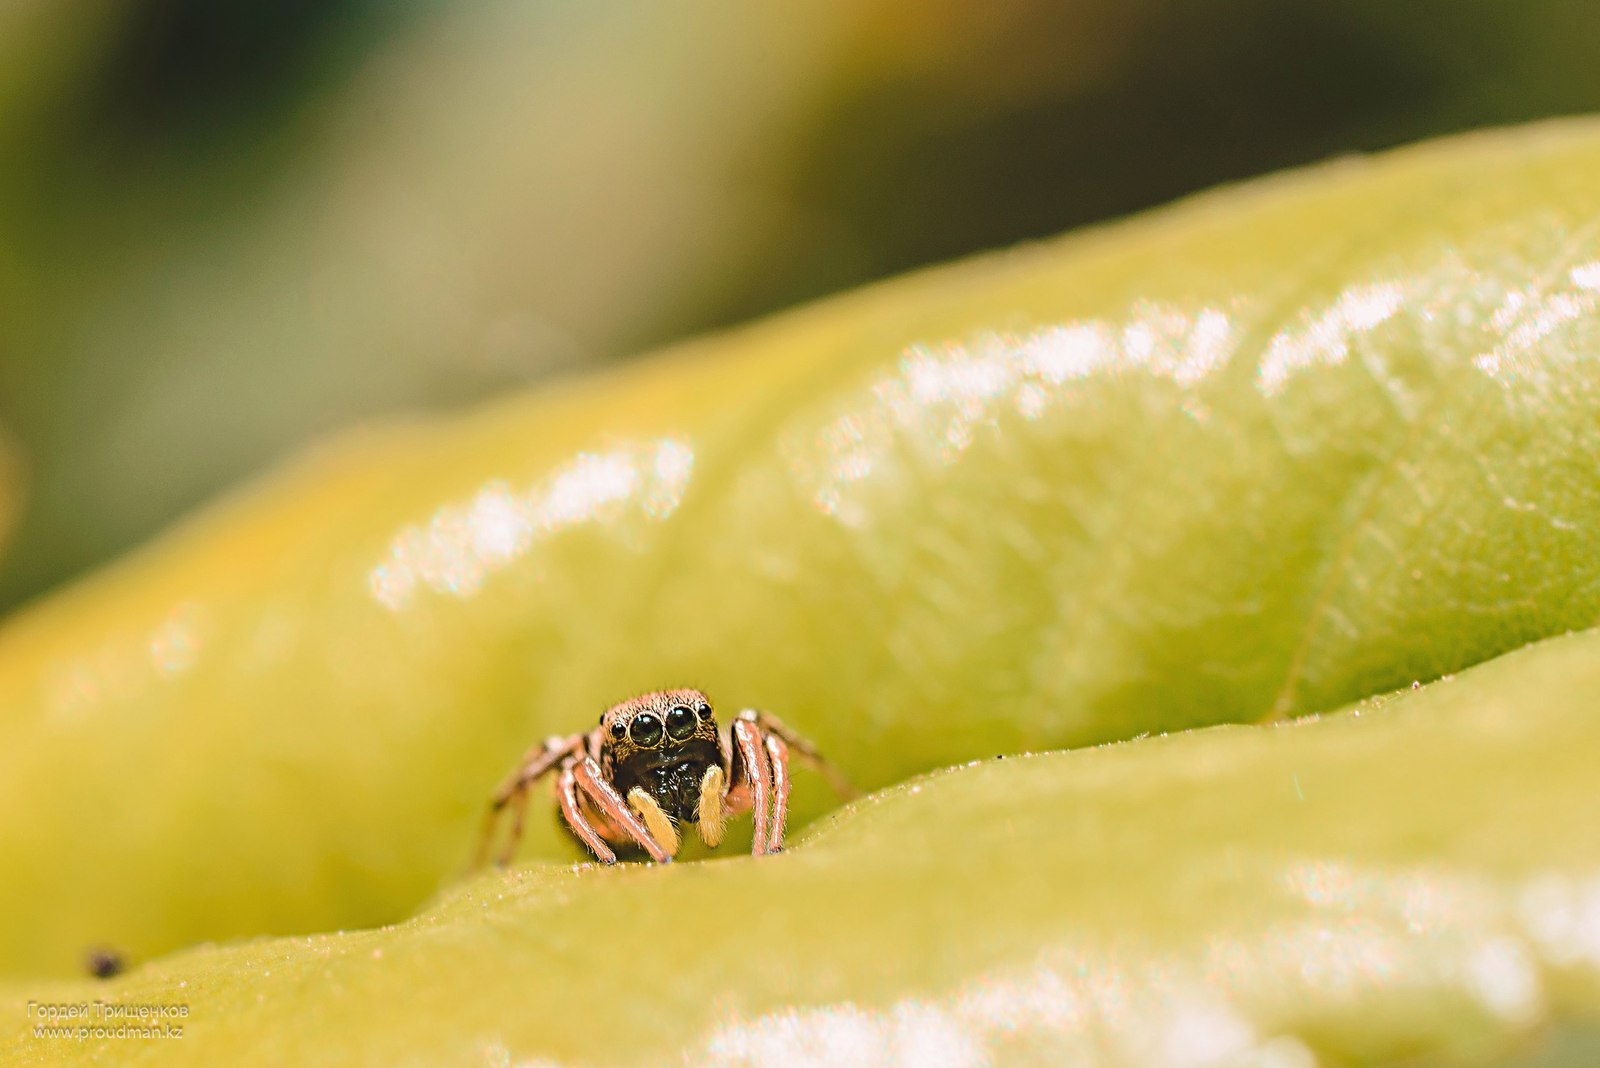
[614, 809]
[773, 726]
[537, 763]
[778, 756]
[751, 773]
[572, 812]
[759, 774]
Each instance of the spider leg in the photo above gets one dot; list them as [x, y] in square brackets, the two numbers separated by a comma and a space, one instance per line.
[753, 766]
[773, 725]
[778, 756]
[519, 810]
[536, 763]
[611, 805]
[491, 819]
[567, 795]
[736, 785]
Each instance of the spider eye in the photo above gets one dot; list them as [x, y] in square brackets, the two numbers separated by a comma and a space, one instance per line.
[705, 711]
[646, 729]
[618, 729]
[680, 723]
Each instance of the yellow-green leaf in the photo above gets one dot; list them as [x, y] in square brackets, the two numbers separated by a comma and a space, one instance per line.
[1420, 875]
[1266, 452]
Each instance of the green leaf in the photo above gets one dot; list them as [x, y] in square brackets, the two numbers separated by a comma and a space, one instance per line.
[1418, 875]
[1263, 453]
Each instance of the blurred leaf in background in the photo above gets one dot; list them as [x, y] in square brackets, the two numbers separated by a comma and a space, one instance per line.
[224, 229]
[227, 228]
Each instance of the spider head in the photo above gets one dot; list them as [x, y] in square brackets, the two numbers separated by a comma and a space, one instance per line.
[663, 743]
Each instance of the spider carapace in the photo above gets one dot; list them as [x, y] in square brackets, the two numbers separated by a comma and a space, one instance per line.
[656, 763]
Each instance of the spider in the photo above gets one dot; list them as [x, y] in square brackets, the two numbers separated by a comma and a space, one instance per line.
[657, 761]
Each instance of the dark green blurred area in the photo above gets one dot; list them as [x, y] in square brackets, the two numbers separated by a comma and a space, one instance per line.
[228, 229]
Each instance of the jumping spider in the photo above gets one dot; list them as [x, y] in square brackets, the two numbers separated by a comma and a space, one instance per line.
[655, 761]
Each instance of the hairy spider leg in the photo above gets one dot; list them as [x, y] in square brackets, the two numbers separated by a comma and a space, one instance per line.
[757, 771]
[567, 795]
[519, 811]
[611, 805]
[778, 757]
[535, 764]
[807, 752]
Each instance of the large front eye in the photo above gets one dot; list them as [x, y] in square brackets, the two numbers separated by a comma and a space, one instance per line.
[680, 723]
[646, 729]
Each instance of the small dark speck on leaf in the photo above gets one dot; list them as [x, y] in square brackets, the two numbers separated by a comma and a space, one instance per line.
[104, 963]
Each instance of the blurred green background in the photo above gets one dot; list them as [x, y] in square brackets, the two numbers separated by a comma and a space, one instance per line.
[226, 229]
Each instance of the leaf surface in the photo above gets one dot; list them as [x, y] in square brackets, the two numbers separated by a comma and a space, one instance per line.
[1263, 453]
[1418, 875]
